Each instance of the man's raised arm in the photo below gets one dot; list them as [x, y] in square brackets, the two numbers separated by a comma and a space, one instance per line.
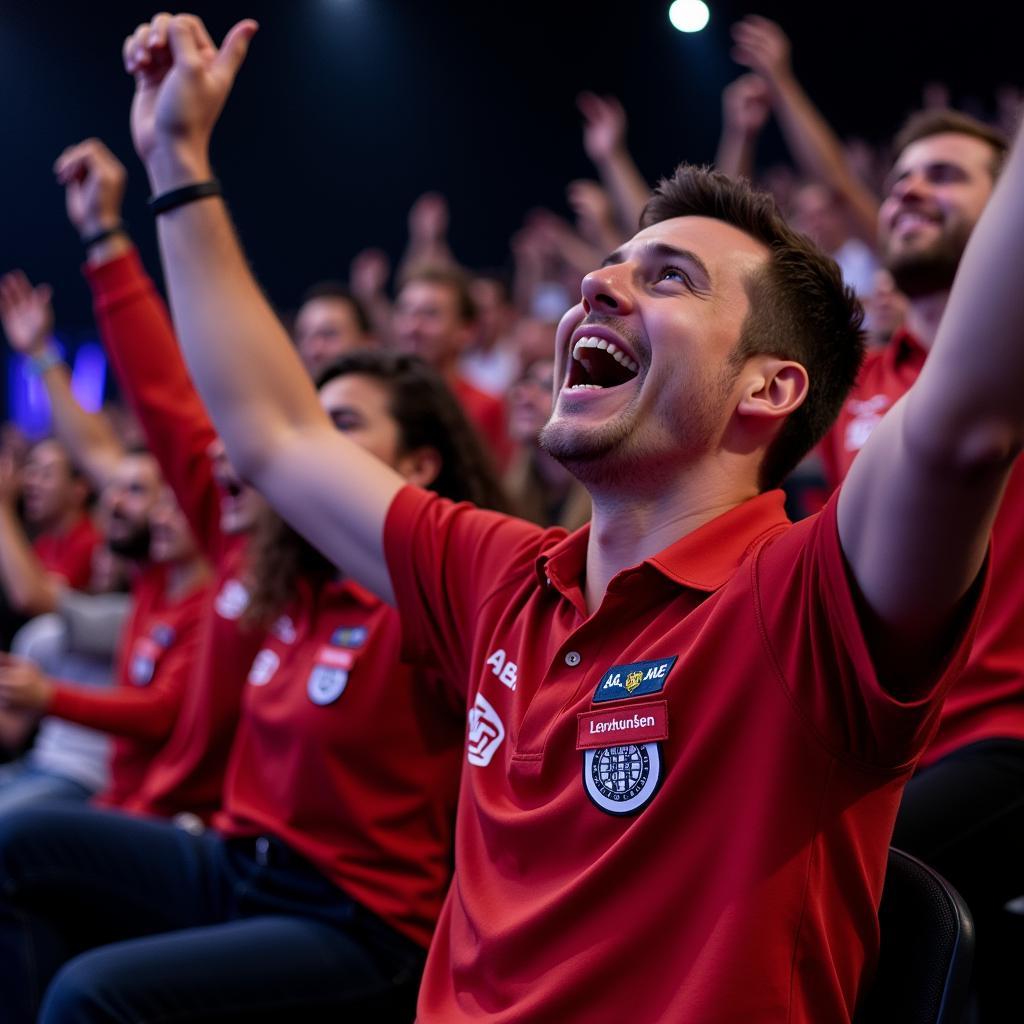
[916, 508]
[241, 359]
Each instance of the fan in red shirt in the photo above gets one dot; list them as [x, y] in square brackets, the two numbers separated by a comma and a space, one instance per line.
[662, 767]
[434, 318]
[962, 811]
[337, 813]
[54, 500]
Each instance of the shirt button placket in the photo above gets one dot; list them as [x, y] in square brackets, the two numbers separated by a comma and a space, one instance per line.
[572, 659]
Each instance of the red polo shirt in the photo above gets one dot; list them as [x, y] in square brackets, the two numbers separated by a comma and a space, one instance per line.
[677, 808]
[349, 756]
[69, 554]
[158, 647]
[188, 773]
[987, 701]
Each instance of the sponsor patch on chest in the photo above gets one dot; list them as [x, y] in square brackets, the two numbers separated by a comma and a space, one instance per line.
[634, 680]
[147, 652]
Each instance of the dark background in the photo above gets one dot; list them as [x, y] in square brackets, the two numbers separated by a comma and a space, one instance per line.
[347, 109]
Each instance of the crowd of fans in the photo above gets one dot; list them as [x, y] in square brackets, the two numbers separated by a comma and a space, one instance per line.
[232, 770]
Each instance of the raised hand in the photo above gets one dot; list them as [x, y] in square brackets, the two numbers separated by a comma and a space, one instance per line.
[428, 219]
[25, 312]
[763, 47]
[746, 104]
[368, 274]
[93, 180]
[182, 82]
[604, 126]
[595, 214]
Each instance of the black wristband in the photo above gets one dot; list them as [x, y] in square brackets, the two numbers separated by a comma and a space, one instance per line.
[180, 196]
[88, 241]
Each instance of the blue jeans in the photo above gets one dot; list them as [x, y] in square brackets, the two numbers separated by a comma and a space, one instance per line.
[23, 785]
[106, 917]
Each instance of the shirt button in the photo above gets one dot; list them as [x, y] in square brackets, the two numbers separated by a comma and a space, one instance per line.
[572, 659]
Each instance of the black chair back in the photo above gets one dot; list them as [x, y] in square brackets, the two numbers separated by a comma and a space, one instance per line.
[927, 937]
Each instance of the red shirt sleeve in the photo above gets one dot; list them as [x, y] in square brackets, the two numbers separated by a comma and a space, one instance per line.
[807, 610]
[148, 712]
[70, 556]
[139, 337]
[446, 560]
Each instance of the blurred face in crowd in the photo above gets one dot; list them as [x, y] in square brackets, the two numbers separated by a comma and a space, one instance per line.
[427, 323]
[239, 503]
[50, 490]
[534, 339]
[818, 215]
[936, 192]
[170, 536]
[325, 329]
[127, 502]
[530, 401]
[359, 406]
[647, 382]
[495, 315]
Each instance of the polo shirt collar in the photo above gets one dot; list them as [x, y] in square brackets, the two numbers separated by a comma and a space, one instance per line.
[903, 348]
[705, 559]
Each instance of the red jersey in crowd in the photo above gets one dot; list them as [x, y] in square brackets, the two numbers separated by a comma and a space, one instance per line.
[350, 756]
[158, 647]
[69, 554]
[988, 700]
[488, 415]
[677, 808]
[188, 774]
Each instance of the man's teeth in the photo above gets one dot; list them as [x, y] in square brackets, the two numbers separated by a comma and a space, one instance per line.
[610, 347]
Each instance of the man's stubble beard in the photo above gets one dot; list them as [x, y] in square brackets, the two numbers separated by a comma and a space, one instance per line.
[930, 270]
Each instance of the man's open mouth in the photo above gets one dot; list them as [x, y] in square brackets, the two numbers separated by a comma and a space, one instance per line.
[598, 363]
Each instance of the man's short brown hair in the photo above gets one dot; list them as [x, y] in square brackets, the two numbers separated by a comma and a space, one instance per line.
[799, 307]
[455, 279]
[926, 123]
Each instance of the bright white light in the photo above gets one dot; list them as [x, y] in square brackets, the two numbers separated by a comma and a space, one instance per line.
[689, 15]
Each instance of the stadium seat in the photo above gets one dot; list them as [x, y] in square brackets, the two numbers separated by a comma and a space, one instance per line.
[927, 948]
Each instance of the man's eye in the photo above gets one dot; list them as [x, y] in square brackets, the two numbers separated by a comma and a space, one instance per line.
[674, 274]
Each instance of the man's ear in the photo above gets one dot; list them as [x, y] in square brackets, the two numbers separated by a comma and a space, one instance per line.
[421, 466]
[773, 388]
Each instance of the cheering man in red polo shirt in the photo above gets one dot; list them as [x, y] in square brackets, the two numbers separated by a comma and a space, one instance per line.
[690, 723]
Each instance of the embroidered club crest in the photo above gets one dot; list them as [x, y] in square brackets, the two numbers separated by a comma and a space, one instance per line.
[264, 665]
[622, 780]
[329, 677]
[232, 600]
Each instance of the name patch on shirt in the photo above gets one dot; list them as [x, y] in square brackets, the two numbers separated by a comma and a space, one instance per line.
[638, 723]
[635, 680]
[349, 636]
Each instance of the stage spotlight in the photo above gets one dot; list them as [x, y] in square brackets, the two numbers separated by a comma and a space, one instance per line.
[689, 15]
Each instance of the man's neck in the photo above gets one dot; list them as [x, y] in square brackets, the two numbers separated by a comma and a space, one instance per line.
[627, 529]
[924, 316]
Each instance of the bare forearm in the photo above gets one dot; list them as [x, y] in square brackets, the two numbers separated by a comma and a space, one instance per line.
[820, 155]
[30, 588]
[262, 402]
[735, 155]
[972, 382]
[627, 188]
[88, 436]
